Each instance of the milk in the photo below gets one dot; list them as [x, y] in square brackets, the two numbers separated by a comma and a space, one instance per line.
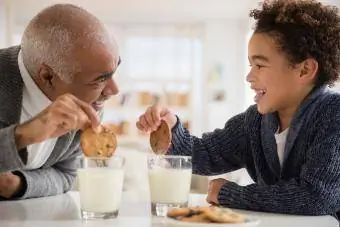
[100, 189]
[169, 186]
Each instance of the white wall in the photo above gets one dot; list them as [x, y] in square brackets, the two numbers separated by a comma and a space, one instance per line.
[2, 24]
[225, 44]
[114, 11]
[5, 24]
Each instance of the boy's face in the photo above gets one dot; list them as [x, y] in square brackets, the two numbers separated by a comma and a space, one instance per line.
[276, 82]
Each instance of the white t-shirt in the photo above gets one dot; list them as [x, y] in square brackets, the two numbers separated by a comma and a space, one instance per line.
[281, 142]
[34, 101]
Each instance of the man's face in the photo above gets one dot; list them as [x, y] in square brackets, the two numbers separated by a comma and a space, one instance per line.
[94, 83]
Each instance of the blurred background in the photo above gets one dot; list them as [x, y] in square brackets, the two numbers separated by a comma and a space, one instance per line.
[189, 54]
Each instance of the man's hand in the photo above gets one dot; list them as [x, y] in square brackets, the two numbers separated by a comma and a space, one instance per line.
[214, 188]
[9, 184]
[66, 113]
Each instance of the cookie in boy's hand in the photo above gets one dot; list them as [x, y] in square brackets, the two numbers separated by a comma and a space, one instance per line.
[101, 143]
[160, 140]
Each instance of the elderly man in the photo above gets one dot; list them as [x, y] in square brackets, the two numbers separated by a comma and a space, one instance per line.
[51, 87]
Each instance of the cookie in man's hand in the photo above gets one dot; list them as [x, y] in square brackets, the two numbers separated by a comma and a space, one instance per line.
[160, 140]
[99, 144]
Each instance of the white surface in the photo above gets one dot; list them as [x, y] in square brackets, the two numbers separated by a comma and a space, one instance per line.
[169, 185]
[64, 211]
[100, 189]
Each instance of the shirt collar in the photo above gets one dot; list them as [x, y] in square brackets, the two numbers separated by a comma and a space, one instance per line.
[37, 100]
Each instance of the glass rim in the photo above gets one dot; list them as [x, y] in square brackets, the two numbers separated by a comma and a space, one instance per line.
[101, 157]
[169, 157]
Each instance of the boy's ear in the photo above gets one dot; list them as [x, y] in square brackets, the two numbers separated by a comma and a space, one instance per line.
[308, 70]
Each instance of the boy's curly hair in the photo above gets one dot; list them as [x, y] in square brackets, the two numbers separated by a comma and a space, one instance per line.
[302, 29]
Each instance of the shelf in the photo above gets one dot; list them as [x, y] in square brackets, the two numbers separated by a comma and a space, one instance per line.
[137, 94]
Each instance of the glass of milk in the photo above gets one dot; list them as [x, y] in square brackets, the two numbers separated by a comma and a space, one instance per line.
[100, 182]
[169, 182]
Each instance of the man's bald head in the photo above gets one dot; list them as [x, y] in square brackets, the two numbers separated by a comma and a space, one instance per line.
[55, 34]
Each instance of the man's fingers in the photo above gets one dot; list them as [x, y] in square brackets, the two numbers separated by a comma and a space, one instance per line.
[89, 111]
[65, 119]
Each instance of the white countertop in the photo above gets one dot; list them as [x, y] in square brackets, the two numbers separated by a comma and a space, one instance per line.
[63, 211]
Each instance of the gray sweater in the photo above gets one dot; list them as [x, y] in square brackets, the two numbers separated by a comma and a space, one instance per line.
[309, 181]
[58, 173]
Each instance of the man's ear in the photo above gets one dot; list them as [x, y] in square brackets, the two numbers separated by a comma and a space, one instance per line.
[308, 71]
[45, 75]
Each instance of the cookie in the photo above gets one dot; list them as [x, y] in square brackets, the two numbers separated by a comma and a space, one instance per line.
[205, 215]
[99, 144]
[160, 140]
[193, 214]
[178, 212]
[223, 215]
[201, 218]
[184, 212]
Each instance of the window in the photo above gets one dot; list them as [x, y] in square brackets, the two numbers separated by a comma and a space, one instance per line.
[161, 58]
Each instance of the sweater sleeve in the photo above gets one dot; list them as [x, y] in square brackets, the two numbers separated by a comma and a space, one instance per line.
[54, 180]
[217, 152]
[10, 157]
[315, 192]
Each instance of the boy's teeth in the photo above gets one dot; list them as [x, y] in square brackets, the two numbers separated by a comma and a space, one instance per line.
[261, 92]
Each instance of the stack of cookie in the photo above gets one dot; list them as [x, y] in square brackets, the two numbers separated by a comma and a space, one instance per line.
[212, 214]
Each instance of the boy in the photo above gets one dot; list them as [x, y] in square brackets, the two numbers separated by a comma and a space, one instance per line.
[289, 142]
